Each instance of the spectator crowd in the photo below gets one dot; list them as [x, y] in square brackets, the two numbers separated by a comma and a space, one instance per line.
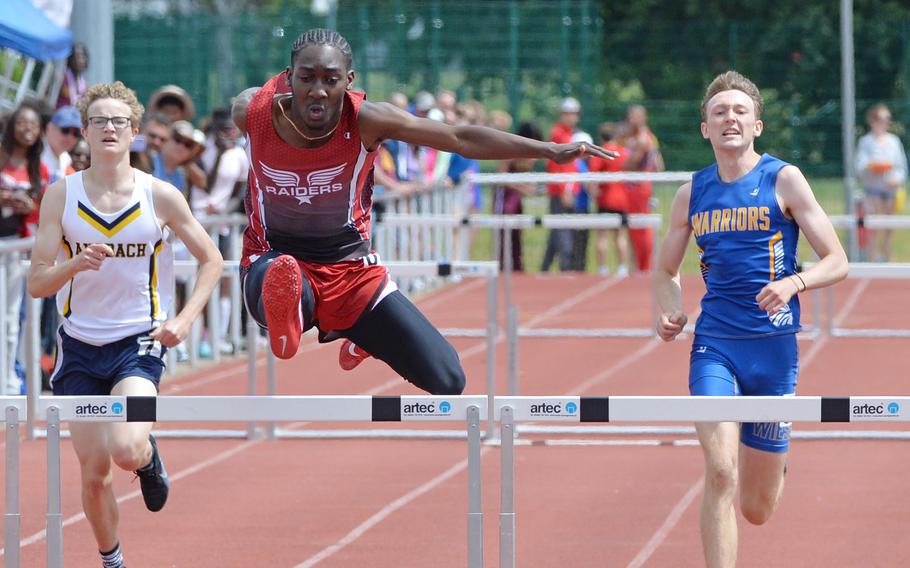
[205, 158]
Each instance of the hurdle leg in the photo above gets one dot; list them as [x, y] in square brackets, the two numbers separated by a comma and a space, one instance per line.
[11, 518]
[475, 510]
[54, 513]
[492, 284]
[507, 490]
[512, 338]
[252, 336]
[272, 387]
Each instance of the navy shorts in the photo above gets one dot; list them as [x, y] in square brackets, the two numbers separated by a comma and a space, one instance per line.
[762, 366]
[84, 369]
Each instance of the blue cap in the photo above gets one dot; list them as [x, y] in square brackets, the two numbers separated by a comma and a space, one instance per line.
[67, 117]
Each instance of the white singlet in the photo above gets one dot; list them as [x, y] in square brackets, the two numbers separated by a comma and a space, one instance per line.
[132, 289]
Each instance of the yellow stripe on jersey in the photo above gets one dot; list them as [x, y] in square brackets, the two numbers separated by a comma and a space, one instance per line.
[115, 226]
[69, 254]
[772, 252]
[153, 280]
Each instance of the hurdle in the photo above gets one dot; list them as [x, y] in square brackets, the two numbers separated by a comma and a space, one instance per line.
[510, 410]
[867, 271]
[363, 408]
[410, 269]
[15, 409]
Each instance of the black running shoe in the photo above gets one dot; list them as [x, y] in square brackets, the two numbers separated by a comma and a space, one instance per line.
[153, 480]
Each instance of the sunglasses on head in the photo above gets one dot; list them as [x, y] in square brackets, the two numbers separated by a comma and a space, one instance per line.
[188, 144]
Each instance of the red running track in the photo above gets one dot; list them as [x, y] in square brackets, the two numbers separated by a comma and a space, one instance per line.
[395, 503]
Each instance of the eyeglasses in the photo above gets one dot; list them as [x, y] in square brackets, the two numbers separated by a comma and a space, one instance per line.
[99, 122]
[71, 131]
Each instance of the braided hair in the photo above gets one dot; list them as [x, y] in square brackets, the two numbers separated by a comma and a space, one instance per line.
[322, 36]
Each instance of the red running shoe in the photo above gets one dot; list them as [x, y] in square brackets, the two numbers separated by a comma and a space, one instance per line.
[350, 355]
[281, 299]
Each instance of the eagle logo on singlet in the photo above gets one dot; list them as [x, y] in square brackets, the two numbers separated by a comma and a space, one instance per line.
[782, 318]
[319, 182]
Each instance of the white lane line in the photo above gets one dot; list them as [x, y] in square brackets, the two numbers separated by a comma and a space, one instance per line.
[438, 298]
[217, 458]
[573, 301]
[384, 513]
[658, 538]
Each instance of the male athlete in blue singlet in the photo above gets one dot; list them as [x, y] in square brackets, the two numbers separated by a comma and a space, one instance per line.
[746, 212]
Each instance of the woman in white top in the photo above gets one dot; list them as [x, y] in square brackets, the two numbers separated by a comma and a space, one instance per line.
[882, 168]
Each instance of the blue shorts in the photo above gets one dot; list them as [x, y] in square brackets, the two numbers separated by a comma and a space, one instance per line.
[84, 369]
[763, 366]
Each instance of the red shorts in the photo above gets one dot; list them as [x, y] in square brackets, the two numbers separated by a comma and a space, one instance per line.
[343, 290]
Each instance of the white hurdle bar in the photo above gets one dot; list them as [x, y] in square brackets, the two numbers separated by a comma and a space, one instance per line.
[567, 409]
[866, 271]
[57, 409]
[15, 410]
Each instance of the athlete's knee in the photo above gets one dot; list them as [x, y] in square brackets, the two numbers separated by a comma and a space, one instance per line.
[758, 509]
[721, 479]
[130, 458]
[251, 281]
[96, 480]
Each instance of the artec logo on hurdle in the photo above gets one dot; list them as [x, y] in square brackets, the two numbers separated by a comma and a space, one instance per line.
[551, 409]
[876, 410]
[96, 410]
[441, 408]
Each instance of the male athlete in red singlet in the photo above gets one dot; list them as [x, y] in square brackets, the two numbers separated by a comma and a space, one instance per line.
[307, 259]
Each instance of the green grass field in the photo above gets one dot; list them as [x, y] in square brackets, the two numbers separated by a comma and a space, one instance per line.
[829, 191]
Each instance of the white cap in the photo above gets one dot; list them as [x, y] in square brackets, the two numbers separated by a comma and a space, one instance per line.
[582, 136]
[437, 115]
[569, 104]
[424, 101]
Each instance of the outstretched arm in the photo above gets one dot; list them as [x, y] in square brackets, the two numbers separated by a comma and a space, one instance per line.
[238, 109]
[174, 211]
[667, 288]
[381, 121]
[45, 277]
[799, 202]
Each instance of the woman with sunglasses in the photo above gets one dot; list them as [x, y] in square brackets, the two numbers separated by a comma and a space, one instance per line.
[101, 248]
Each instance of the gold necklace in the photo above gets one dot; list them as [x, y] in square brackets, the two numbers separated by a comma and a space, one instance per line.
[294, 126]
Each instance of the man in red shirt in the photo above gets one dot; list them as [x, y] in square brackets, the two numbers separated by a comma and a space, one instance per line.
[307, 257]
[612, 197]
[562, 195]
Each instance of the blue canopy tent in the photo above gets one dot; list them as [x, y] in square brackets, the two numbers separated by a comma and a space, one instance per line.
[28, 37]
[26, 29]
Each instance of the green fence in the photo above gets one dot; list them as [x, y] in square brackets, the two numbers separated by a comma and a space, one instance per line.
[524, 55]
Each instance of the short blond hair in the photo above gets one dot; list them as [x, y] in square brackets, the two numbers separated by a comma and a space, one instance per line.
[732, 81]
[117, 91]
